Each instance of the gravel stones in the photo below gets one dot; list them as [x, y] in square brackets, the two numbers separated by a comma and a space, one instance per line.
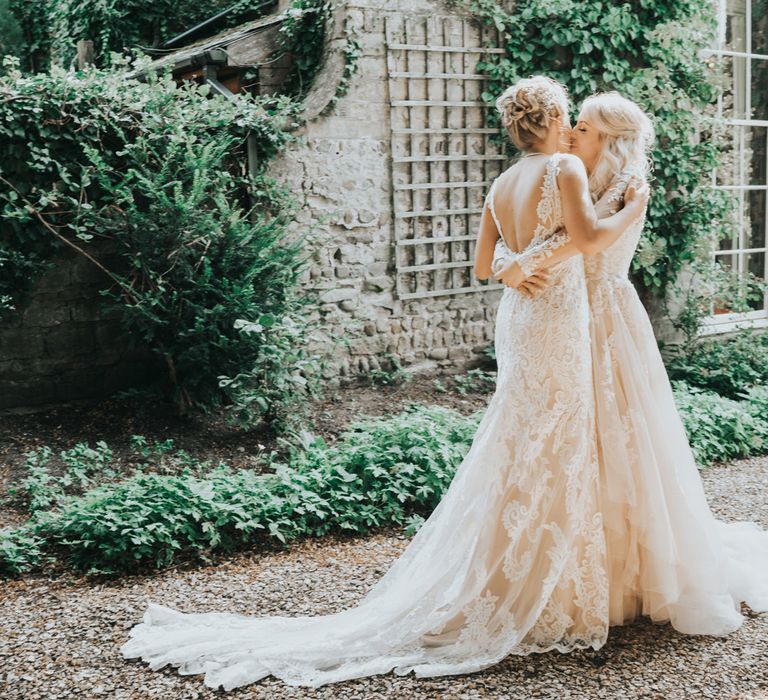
[60, 637]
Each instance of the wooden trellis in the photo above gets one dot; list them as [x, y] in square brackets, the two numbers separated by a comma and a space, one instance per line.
[442, 158]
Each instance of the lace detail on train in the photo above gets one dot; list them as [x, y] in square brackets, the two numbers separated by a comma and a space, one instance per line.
[511, 560]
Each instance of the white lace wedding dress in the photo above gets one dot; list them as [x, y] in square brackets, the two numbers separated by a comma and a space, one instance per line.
[511, 561]
[668, 556]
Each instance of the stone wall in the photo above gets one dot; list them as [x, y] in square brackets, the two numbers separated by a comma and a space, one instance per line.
[342, 174]
[61, 347]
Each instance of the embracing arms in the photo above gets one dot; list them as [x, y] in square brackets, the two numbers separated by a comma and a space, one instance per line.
[486, 241]
[589, 233]
[514, 269]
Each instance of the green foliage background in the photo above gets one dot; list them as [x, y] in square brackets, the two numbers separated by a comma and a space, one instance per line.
[159, 172]
[648, 50]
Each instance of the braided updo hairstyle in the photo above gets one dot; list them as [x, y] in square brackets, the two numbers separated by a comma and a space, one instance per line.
[528, 107]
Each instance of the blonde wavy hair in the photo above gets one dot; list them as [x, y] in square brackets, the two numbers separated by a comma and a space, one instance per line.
[627, 133]
[528, 107]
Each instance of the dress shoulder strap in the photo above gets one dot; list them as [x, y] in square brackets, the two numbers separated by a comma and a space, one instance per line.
[489, 201]
[620, 182]
[548, 208]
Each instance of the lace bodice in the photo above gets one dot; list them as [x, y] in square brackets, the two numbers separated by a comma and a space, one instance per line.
[613, 262]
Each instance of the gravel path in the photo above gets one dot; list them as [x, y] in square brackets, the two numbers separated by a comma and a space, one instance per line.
[60, 638]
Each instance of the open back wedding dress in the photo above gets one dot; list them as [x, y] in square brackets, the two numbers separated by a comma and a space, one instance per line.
[511, 561]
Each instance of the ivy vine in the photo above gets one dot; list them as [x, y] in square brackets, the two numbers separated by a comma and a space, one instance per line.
[649, 51]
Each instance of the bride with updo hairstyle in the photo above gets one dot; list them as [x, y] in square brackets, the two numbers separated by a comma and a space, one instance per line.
[528, 107]
[668, 556]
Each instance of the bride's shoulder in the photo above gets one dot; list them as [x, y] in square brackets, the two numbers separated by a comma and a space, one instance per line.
[570, 163]
[570, 168]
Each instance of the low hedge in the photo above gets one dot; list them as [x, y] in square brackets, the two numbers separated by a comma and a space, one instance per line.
[390, 471]
[382, 471]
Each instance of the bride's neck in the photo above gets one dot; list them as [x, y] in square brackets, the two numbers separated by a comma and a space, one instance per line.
[545, 147]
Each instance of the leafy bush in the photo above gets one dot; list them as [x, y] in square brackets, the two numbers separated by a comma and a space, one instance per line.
[46, 485]
[727, 366]
[83, 465]
[158, 171]
[380, 472]
[284, 374]
[720, 428]
[22, 550]
[756, 403]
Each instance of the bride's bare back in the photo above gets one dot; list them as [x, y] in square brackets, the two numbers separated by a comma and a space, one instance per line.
[516, 195]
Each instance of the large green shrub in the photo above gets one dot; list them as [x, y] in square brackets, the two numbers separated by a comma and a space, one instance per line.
[160, 171]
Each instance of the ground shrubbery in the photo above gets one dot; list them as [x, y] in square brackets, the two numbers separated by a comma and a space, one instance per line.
[720, 428]
[384, 471]
[727, 366]
[721, 387]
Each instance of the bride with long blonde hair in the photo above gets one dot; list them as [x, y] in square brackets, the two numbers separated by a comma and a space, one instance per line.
[668, 556]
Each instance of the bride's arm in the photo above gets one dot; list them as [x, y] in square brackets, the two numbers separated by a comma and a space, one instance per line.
[486, 242]
[558, 247]
[581, 221]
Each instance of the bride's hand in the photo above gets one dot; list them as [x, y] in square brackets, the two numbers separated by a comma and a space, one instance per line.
[535, 284]
[637, 194]
[511, 275]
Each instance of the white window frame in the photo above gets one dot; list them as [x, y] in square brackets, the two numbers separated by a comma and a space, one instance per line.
[723, 323]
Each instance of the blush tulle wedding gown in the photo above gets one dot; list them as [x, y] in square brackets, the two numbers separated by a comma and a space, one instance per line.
[533, 546]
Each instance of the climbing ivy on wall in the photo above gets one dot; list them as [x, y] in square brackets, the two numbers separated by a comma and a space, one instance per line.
[648, 50]
[304, 34]
[53, 27]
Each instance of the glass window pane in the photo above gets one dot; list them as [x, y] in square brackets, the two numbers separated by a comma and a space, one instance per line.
[757, 137]
[760, 26]
[759, 88]
[754, 233]
[755, 263]
[727, 262]
[729, 235]
[730, 169]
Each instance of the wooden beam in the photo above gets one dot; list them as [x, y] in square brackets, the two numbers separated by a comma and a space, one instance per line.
[84, 53]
